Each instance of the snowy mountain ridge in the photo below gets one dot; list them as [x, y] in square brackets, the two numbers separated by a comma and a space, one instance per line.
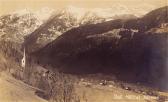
[15, 26]
[116, 9]
[79, 12]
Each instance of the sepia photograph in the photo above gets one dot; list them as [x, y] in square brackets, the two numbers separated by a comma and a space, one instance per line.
[83, 50]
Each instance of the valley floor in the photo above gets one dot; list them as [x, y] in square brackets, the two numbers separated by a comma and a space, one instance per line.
[12, 90]
[99, 93]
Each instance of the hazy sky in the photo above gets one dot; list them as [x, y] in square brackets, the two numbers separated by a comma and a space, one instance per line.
[7, 6]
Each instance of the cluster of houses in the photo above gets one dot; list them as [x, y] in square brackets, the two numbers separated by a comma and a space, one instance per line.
[163, 25]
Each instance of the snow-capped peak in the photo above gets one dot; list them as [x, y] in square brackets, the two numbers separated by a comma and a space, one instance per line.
[75, 11]
[79, 13]
[44, 13]
[23, 12]
[110, 12]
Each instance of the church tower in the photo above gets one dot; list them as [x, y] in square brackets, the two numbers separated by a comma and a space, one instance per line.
[23, 63]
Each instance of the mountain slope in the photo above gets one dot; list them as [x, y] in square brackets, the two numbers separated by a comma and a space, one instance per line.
[62, 22]
[15, 90]
[14, 27]
[17, 25]
[130, 53]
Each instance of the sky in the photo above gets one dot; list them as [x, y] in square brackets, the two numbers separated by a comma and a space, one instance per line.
[7, 6]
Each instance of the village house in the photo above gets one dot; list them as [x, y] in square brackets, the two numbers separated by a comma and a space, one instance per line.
[163, 25]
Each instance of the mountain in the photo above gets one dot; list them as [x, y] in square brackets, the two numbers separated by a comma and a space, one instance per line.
[72, 17]
[129, 49]
[113, 10]
[56, 25]
[18, 25]
[15, 27]
[66, 19]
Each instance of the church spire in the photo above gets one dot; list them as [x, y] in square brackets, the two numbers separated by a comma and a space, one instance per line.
[24, 59]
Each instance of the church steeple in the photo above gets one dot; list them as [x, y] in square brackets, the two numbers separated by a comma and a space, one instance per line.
[24, 59]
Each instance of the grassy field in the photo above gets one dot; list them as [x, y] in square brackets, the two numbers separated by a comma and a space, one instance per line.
[99, 93]
[12, 90]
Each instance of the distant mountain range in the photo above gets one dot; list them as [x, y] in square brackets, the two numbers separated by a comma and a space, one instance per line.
[16, 25]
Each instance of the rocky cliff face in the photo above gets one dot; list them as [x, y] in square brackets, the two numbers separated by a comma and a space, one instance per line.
[14, 27]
